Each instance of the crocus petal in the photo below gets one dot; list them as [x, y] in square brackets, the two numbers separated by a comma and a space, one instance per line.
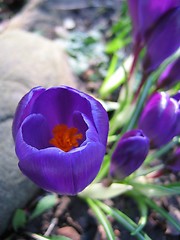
[24, 108]
[54, 169]
[100, 119]
[58, 104]
[146, 13]
[64, 101]
[133, 6]
[160, 119]
[163, 41]
[36, 131]
[152, 11]
[129, 154]
[170, 76]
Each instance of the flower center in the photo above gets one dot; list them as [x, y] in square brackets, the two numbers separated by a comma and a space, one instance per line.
[65, 138]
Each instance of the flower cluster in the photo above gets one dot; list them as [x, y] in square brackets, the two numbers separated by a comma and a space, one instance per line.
[61, 133]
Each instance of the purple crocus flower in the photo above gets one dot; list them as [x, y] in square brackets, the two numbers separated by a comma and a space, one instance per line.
[60, 138]
[129, 154]
[160, 119]
[156, 27]
[146, 13]
[163, 40]
[174, 164]
[170, 76]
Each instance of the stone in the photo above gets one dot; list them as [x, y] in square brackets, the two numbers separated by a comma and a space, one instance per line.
[26, 60]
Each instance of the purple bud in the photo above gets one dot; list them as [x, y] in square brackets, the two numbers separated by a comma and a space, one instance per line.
[170, 76]
[160, 119]
[129, 154]
[174, 164]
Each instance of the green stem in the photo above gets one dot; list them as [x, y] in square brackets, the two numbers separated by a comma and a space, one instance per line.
[163, 213]
[101, 218]
[123, 219]
[104, 169]
[143, 219]
[114, 124]
[131, 124]
[143, 172]
[161, 151]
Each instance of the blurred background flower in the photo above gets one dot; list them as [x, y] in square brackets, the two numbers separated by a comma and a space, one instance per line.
[145, 15]
[163, 40]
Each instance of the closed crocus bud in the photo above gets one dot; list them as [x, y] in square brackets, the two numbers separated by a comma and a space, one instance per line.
[160, 119]
[129, 154]
[174, 164]
[163, 40]
[170, 76]
[60, 138]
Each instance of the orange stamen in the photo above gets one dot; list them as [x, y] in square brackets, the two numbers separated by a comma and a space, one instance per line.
[65, 138]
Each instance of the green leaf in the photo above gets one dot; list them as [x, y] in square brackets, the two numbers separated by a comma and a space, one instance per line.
[104, 169]
[116, 79]
[116, 44]
[124, 220]
[122, 39]
[147, 90]
[43, 205]
[152, 190]
[99, 191]
[58, 238]
[161, 151]
[19, 219]
[163, 213]
[144, 214]
[102, 219]
[121, 24]
[40, 237]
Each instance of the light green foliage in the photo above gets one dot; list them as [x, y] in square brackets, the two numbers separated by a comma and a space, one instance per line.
[102, 218]
[85, 50]
[19, 219]
[43, 205]
[40, 237]
[99, 191]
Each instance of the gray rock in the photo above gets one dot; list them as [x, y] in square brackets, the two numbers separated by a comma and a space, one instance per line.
[26, 61]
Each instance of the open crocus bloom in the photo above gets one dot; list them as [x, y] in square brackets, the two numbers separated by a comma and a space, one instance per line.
[160, 119]
[129, 154]
[60, 137]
